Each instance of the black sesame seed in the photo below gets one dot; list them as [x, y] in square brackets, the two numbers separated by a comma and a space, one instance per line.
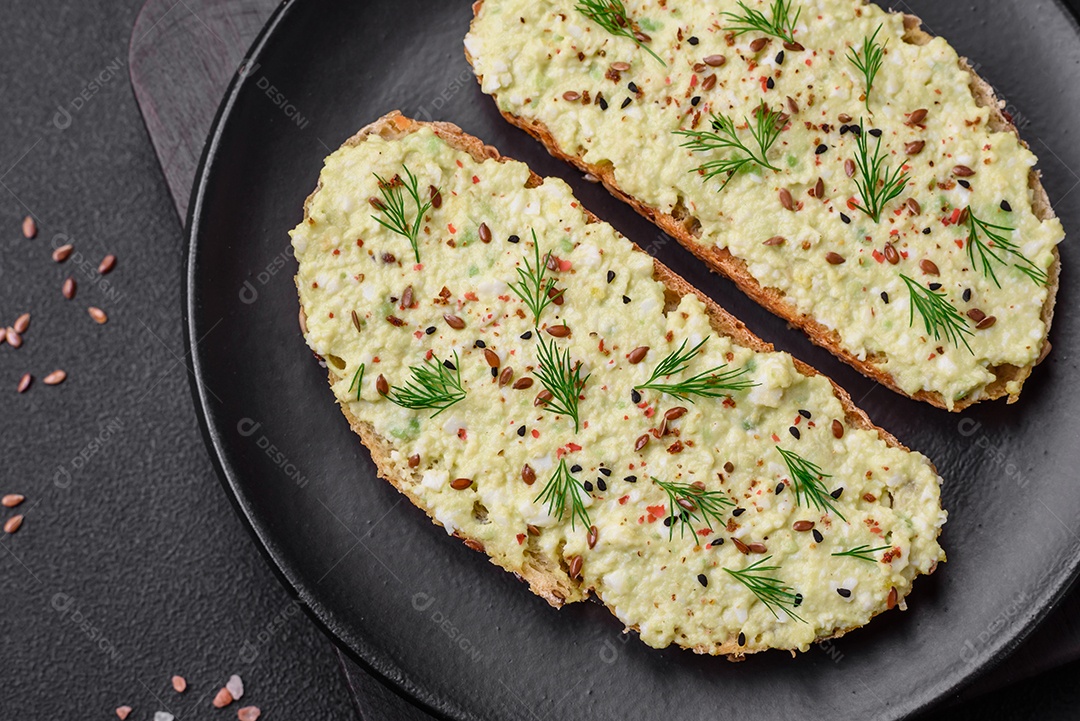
[514, 239]
[856, 129]
[526, 335]
[1005, 206]
[846, 593]
[631, 479]
[667, 521]
[626, 102]
[845, 218]
[964, 184]
[770, 83]
[703, 579]
[494, 372]
[780, 58]
[837, 493]
[430, 329]
[935, 286]
[795, 432]
[885, 297]
[449, 365]
[738, 512]
[818, 538]
[635, 396]
[926, 231]
[805, 413]
[875, 132]
[798, 600]
[632, 87]
[606, 471]
[844, 129]
[625, 299]
[588, 486]
[601, 484]
[521, 431]
[575, 468]
[692, 40]
[610, 276]
[742, 638]
[780, 488]
[602, 102]
[821, 149]
[967, 295]
[717, 542]
[695, 100]
[480, 344]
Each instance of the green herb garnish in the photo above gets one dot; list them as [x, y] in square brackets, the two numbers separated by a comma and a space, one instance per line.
[991, 241]
[611, 15]
[939, 316]
[877, 185]
[561, 378]
[863, 552]
[696, 503]
[532, 287]
[561, 487]
[806, 478]
[769, 590]
[780, 25]
[713, 383]
[357, 381]
[869, 61]
[392, 206]
[723, 137]
[435, 384]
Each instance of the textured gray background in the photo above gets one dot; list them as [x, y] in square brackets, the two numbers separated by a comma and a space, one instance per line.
[131, 565]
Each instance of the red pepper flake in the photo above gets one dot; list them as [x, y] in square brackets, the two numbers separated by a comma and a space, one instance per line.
[852, 203]
[520, 538]
[693, 81]
[331, 315]
[878, 256]
[573, 446]
[418, 334]
[559, 453]
[451, 227]
[704, 531]
[418, 266]
[776, 438]
[471, 296]
[427, 356]
[535, 433]
[650, 412]
[376, 359]
[475, 180]
[655, 512]
[623, 500]
[337, 252]
[462, 434]
[459, 164]
[959, 243]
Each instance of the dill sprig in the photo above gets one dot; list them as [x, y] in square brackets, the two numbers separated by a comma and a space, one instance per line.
[357, 381]
[713, 383]
[990, 242]
[876, 183]
[435, 384]
[562, 487]
[697, 503]
[393, 207]
[612, 16]
[561, 378]
[769, 590]
[765, 130]
[780, 25]
[869, 60]
[939, 316]
[863, 552]
[532, 286]
[806, 476]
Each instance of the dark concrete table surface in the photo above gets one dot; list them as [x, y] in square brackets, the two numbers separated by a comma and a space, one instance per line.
[131, 566]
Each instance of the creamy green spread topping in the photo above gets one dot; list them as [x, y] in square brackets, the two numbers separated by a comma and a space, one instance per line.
[673, 509]
[959, 234]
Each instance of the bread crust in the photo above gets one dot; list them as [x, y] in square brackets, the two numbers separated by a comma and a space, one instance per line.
[546, 579]
[721, 261]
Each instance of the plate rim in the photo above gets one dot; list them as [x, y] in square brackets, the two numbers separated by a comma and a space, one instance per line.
[379, 666]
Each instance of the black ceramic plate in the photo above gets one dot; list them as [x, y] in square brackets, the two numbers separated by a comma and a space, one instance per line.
[464, 638]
